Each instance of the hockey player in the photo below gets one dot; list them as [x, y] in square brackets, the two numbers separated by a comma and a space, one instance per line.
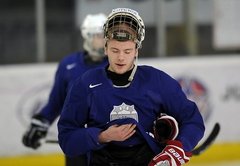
[71, 67]
[123, 103]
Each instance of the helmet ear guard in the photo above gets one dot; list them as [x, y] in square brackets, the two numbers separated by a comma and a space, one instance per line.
[124, 24]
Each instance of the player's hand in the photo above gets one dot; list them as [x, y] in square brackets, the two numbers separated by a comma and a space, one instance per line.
[117, 133]
[171, 155]
[165, 128]
[37, 130]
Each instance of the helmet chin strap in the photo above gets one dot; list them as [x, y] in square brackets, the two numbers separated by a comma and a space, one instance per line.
[133, 71]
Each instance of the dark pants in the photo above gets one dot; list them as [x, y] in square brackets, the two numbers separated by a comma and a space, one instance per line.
[111, 155]
[76, 161]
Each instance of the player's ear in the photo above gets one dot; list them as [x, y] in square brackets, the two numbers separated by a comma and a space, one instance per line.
[105, 48]
[136, 54]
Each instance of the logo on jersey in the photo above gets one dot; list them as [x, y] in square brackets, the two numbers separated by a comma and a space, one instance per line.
[196, 91]
[70, 66]
[94, 85]
[123, 111]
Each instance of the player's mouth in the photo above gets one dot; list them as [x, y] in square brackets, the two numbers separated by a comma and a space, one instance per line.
[120, 65]
[120, 68]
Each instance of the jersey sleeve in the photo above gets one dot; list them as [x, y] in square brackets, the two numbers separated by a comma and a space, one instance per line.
[57, 95]
[185, 111]
[74, 138]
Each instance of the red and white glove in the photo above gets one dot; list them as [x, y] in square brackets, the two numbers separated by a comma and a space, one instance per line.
[172, 155]
[165, 128]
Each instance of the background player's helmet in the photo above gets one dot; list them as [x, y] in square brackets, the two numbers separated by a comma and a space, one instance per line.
[115, 26]
[92, 33]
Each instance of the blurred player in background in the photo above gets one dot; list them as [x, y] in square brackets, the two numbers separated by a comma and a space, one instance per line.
[124, 102]
[70, 68]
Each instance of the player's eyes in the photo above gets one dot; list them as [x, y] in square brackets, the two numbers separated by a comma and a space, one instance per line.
[127, 52]
[115, 51]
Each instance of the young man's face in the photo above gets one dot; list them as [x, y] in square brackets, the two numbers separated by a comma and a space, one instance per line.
[97, 47]
[121, 55]
[98, 41]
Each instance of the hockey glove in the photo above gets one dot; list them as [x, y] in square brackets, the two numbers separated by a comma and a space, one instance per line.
[37, 130]
[172, 155]
[165, 128]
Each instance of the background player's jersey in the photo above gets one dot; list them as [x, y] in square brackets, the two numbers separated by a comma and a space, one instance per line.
[69, 69]
[95, 101]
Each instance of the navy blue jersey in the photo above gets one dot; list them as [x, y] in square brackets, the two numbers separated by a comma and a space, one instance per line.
[95, 101]
[69, 69]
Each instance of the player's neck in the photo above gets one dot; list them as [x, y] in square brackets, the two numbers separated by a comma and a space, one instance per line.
[118, 79]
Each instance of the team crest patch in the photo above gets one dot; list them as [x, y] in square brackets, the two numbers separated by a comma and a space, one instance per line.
[123, 111]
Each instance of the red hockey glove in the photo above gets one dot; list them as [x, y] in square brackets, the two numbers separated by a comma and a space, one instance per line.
[171, 155]
[165, 128]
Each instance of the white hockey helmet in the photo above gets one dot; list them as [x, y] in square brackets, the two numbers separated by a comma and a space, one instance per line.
[91, 27]
[115, 26]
